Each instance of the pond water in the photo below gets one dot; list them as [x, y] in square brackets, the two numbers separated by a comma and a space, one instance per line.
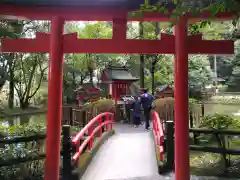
[24, 119]
[221, 108]
[209, 109]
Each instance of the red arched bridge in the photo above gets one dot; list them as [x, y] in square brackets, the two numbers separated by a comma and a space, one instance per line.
[130, 153]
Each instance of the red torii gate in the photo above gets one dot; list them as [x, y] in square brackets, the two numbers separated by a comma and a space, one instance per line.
[57, 44]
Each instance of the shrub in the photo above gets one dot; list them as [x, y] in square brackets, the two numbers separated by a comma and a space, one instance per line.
[25, 171]
[219, 121]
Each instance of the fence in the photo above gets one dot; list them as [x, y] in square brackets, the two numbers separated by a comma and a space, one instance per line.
[222, 143]
[16, 140]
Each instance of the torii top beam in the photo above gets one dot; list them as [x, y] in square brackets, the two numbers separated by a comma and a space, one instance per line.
[89, 10]
[102, 10]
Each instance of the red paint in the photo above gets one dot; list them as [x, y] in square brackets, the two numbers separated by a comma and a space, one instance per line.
[182, 168]
[54, 117]
[118, 44]
[119, 29]
[158, 134]
[38, 44]
[89, 127]
[100, 130]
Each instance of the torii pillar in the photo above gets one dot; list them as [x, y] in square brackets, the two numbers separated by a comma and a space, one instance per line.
[182, 167]
[54, 100]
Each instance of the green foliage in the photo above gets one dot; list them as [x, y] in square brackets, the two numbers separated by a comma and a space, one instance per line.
[31, 170]
[193, 7]
[219, 122]
[200, 73]
[29, 74]
[8, 29]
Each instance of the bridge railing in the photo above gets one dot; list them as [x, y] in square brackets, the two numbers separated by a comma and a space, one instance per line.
[158, 132]
[91, 130]
[73, 147]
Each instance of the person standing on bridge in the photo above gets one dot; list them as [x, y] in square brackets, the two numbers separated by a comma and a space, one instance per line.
[146, 101]
[137, 112]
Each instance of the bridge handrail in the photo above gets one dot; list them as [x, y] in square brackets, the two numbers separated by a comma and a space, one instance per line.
[91, 133]
[158, 133]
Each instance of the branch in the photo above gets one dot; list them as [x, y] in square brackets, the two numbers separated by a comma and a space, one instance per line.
[28, 87]
[41, 78]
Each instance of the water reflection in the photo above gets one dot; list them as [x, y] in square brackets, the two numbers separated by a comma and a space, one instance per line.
[24, 119]
[221, 108]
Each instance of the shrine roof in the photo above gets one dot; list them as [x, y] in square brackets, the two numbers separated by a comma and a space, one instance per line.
[162, 87]
[119, 73]
[87, 86]
[125, 4]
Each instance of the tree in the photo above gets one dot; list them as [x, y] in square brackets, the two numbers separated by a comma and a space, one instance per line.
[233, 81]
[200, 73]
[195, 7]
[29, 73]
[9, 28]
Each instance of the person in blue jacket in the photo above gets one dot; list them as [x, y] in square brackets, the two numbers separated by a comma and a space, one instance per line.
[137, 112]
[146, 101]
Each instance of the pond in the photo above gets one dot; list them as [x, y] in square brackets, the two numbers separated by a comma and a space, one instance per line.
[221, 108]
[209, 109]
[24, 119]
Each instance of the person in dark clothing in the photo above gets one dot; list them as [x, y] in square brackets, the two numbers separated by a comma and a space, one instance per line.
[137, 112]
[146, 101]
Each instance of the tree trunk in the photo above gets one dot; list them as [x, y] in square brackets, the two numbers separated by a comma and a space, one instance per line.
[11, 81]
[24, 104]
[154, 57]
[91, 75]
[141, 57]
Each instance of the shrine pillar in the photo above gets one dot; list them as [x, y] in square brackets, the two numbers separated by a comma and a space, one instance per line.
[182, 168]
[54, 116]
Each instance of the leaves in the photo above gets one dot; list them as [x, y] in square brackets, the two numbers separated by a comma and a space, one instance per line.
[218, 121]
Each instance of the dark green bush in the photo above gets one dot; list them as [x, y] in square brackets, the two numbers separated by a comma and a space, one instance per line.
[32, 170]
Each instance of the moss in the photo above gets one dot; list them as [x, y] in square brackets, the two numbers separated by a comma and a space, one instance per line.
[84, 158]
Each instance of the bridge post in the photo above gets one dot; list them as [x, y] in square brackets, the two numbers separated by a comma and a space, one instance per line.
[170, 144]
[101, 129]
[106, 119]
[182, 167]
[67, 161]
[90, 143]
[54, 116]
